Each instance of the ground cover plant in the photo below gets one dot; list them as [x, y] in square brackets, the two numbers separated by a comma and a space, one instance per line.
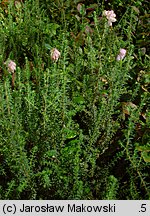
[74, 99]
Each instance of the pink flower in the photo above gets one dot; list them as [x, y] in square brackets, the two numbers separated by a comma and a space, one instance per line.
[121, 54]
[110, 15]
[11, 65]
[55, 54]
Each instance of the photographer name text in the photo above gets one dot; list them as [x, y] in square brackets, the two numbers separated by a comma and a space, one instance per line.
[70, 208]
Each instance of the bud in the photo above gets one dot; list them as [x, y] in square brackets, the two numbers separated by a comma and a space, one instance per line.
[17, 4]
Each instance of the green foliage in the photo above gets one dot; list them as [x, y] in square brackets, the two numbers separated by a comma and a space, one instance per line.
[111, 188]
[76, 128]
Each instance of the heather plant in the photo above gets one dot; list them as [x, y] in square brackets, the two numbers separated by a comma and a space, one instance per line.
[74, 100]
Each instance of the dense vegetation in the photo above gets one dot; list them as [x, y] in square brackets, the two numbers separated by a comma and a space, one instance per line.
[75, 125]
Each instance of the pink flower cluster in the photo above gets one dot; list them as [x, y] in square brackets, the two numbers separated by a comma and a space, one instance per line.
[110, 15]
[55, 54]
[121, 54]
[11, 66]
